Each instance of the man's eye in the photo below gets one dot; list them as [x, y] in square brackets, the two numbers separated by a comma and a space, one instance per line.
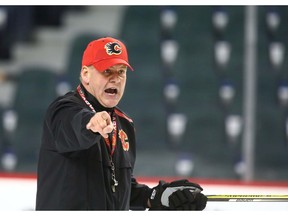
[121, 72]
[107, 72]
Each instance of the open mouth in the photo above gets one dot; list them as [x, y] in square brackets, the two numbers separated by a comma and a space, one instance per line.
[111, 91]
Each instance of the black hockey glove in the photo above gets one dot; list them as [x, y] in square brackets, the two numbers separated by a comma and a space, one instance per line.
[177, 195]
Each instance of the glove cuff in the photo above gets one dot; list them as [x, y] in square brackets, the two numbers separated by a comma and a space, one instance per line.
[155, 196]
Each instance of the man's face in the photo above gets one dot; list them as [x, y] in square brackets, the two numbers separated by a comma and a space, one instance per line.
[108, 86]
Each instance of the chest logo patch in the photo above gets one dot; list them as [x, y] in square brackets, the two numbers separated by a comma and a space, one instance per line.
[124, 140]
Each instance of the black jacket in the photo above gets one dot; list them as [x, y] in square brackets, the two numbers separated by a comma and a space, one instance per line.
[74, 169]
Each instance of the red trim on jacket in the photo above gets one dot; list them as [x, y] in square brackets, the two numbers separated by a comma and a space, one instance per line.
[121, 114]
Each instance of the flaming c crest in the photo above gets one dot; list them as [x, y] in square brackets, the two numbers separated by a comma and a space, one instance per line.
[113, 48]
[124, 140]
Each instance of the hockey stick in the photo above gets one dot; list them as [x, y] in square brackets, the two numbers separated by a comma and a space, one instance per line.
[248, 198]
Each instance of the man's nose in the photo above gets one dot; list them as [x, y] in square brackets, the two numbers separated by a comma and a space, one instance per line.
[115, 78]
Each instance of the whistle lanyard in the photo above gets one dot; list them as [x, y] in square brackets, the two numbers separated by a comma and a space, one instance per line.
[111, 146]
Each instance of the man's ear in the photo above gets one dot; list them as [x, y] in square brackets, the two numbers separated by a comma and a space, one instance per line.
[85, 75]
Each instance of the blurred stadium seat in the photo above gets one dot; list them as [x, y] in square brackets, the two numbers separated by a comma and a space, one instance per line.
[34, 92]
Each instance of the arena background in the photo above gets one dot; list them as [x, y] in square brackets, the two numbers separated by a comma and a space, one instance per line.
[188, 94]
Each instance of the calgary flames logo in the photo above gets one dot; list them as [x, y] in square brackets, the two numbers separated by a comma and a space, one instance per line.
[113, 48]
[124, 140]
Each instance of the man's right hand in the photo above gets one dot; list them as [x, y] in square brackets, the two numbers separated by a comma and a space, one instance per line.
[101, 122]
[177, 195]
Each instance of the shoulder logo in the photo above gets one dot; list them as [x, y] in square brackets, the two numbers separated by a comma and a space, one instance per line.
[124, 140]
[113, 48]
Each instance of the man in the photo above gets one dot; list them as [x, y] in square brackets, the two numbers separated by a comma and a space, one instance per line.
[88, 150]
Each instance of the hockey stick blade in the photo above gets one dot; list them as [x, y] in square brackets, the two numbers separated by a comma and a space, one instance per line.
[248, 198]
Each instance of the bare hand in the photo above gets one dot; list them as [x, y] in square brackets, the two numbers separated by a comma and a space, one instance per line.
[101, 123]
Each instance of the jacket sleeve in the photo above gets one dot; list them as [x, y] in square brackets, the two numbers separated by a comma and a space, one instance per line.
[139, 195]
[67, 121]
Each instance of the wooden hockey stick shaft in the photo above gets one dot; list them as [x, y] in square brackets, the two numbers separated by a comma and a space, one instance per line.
[248, 198]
